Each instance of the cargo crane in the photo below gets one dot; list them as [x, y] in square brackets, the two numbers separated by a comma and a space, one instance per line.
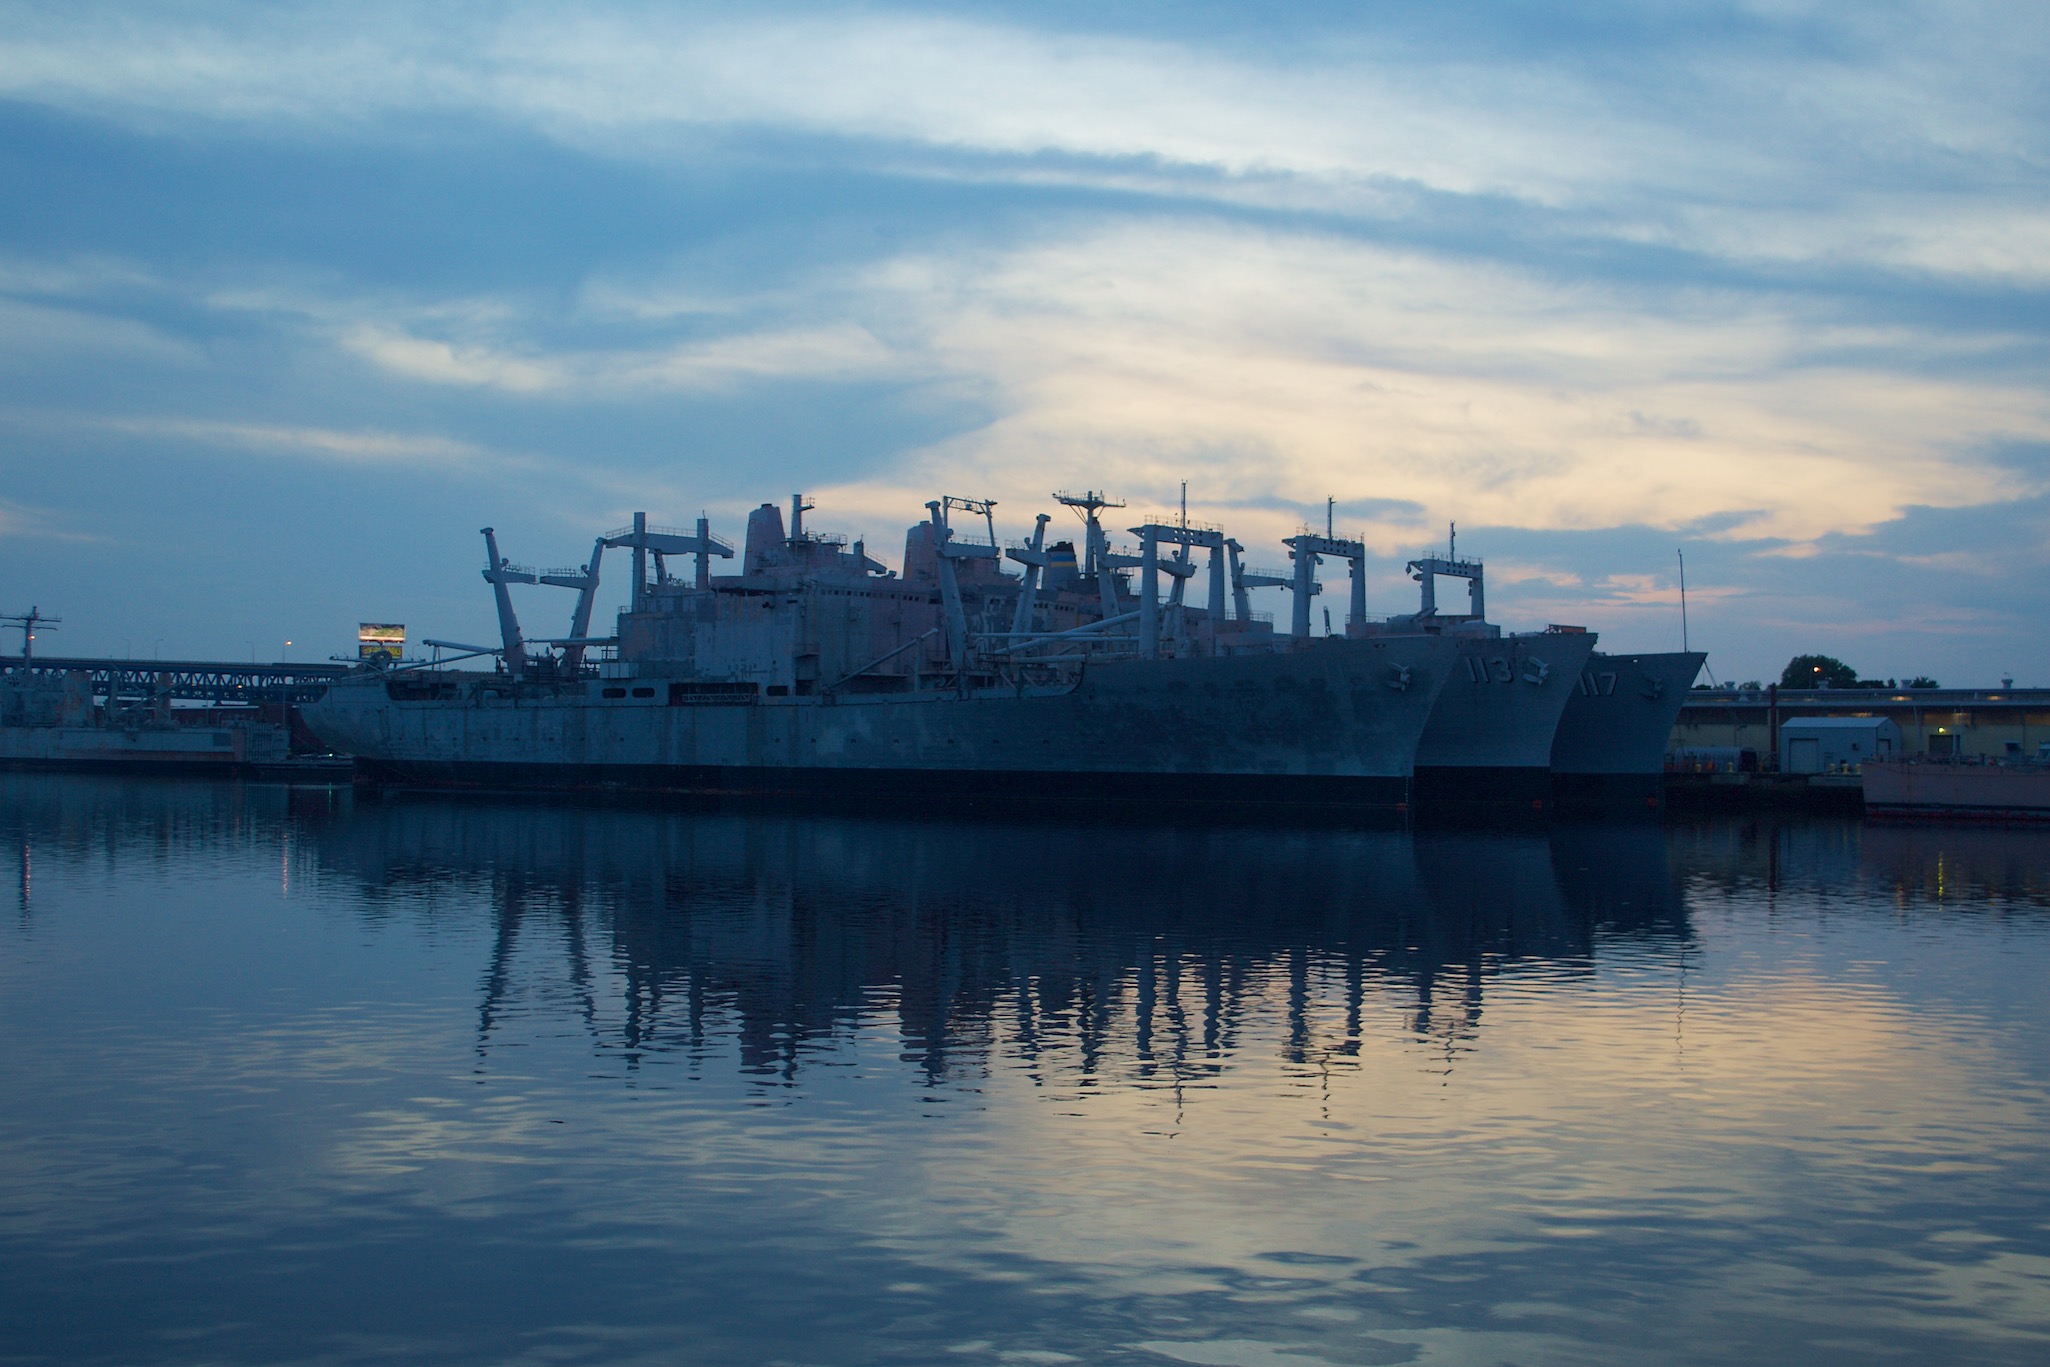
[949, 550]
[1033, 556]
[584, 579]
[1306, 548]
[499, 572]
[1184, 538]
[642, 539]
[1426, 569]
[1245, 578]
[662, 542]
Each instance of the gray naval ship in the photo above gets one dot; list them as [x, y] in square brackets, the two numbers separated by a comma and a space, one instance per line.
[1610, 748]
[1590, 729]
[816, 670]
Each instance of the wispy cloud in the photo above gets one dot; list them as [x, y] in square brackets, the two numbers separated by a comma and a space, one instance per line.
[1274, 368]
[903, 78]
[21, 522]
[1264, 364]
[439, 362]
[1731, 147]
[32, 334]
[360, 447]
[843, 352]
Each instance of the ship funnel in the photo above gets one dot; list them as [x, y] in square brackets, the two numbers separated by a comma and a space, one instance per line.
[766, 545]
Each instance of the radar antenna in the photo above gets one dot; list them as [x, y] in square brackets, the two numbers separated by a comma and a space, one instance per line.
[1087, 505]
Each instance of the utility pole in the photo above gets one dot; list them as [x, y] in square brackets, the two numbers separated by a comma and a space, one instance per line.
[28, 622]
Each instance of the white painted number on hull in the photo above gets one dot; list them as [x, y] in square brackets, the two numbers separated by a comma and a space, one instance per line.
[1500, 669]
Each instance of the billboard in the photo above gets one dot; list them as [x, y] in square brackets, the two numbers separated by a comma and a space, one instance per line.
[380, 640]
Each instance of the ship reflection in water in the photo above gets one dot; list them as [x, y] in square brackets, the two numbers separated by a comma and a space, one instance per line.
[293, 1077]
[1154, 948]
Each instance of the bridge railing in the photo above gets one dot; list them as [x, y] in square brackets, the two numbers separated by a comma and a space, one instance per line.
[205, 680]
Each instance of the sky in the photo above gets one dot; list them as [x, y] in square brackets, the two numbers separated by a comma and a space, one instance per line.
[295, 299]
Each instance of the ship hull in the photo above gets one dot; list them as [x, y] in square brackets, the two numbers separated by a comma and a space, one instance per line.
[1489, 740]
[899, 790]
[1610, 746]
[1333, 725]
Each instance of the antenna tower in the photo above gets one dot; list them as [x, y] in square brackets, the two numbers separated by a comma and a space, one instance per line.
[1683, 599]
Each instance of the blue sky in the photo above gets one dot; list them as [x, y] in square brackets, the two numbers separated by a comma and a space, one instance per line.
[293, 300]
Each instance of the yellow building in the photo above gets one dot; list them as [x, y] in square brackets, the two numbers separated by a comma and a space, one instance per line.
[1962, 722]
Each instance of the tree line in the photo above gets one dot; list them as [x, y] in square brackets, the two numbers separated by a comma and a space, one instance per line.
[1826, 671]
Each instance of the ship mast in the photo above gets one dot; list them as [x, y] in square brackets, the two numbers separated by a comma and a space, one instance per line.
[1683, 599]
[1095, 547]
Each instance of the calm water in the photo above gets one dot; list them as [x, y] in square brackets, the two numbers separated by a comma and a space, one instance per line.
[290, 1077]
